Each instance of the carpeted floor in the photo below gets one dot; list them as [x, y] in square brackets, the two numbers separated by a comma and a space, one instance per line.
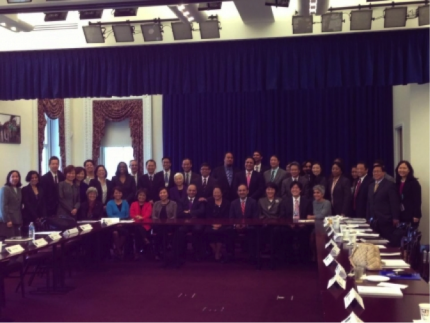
[141, 291]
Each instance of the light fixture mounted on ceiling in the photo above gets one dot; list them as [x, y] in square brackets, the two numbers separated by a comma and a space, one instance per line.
[395, 17]
[210, 29]
[125, 12]
[94, 34]
[303, 24]
[123, 33]
[56, 16]
[278, 3]
[332, 22]
[361, 19]
[90, 14]
[152, 32]
[210, 6]
[423, 15]
[182, 31]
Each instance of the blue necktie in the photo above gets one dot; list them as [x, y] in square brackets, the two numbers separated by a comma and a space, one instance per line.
[229, 176]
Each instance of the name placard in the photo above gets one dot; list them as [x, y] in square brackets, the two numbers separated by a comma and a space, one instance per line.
[351, 296]
[330, 232]
[110, 221]
[55, 236]
[330, 243]
[340, 271]
[328, 260]
[352, 318]
[40, 242]
[336, 280]
[71, 232]
[14, 249]
[335, 251]
[86, 227]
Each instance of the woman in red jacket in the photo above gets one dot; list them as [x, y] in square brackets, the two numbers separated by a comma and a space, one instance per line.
[139, 211]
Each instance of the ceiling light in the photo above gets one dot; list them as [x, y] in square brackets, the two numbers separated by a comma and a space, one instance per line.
[152, 32]
[210, 6]
[18, 1]
[93, 34]
[361, 19]
[56, 16]
[181, 7]
[278, 3]
[13, 28]
[3, 24]
[210, 29]
[123, 33]
[303, 24]
[423, 15]
[395, 17]
[125, 12]
[190, 19]
[90, 14]
[332, 22]
[186, 13]
[181, 31]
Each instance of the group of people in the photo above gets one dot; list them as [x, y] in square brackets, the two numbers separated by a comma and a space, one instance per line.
[300, 191]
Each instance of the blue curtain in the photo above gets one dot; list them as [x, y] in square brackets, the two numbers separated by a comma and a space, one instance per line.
[350, 123]
[350, 59]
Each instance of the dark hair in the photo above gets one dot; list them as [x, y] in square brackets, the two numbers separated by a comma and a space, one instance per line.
[79, 170]
[317, 163]
[69, 169]
[117, 188]
[150, 160]
[382, 167]
[191, 162]
[217, 187]
[228, 152]
[97, 168]
[205, 165]
[242, 185]
[88, 161]
[53, 158]
[168, 158]
[30, 174]
[163, 189]
[306, 161]
[294, 163]
[338, 165]
[142, 190]
[117, 173]
[274, 156]
[250, 158]
[258, 152]
[362, 163]
[379, 162]
[340, 160]
[272, 185]
[296, 183]
[411, 171]
[10, 174]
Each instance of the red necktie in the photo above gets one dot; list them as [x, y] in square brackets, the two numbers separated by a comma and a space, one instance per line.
[355, 193]
[248, 178]
[242, 205]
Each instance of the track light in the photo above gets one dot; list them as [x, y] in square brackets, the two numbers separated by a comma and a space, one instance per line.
[125, 12]
[395, 17]
[332, 22]
[278, 3]
[152, 32]
[181, 31]
[423, 15]
[361, 19]
[210, 6]
[56, 16]
[94, 34]
[303, 24]
[123, 33]
[210, 29]
[90, 14]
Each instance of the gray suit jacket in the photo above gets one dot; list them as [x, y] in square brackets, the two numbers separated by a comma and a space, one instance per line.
[10, 205]
[286, 192]
[280, 176]
[171, 210]
[269, 210]
[69, 198]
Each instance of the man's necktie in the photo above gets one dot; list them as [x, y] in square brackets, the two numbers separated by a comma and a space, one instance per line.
[150, 178]
[376, 187]
[190, 204]
[229, 176]
[296, 208]
[166, 179]
[248, 178]
[357, 187]
[187, 179]
[55, 179]
[242, 206]
[204, 183]
[273, 176]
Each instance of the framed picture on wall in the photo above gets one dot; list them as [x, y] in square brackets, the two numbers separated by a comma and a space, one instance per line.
[10, 129]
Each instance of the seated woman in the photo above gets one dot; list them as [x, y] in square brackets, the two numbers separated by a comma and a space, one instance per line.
[178, 192]
[162, 210]
[321, 207]
[91, 209]
[139, 211]
[118, 208]
[216, 208]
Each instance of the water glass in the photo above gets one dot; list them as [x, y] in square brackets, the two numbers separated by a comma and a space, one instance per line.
[359, 272]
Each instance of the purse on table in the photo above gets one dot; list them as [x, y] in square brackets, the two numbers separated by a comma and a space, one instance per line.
[366, 255]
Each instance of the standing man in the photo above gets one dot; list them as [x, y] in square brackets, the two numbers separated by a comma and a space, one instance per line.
[224, 175]
[164, 178]
[259, 167]
[189, 176]
[251, 178]
[205, 184]
[147, 182]
[383, 204]
[294, 177]
[134, 171]
[360, 191]
[49, 183]
[275, 174]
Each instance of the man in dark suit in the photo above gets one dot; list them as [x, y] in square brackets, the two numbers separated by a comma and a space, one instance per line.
[259, 167]
[242, 208]
[224, 176]
[205, 184]
[275, 174]
[189, 207]
[134, 171]
[360, 191]
[164, 178]
[295, 207]
[148, 183]
[252, 179]
[189, 176]
[383, 204]
[49, 183]
[295, 177]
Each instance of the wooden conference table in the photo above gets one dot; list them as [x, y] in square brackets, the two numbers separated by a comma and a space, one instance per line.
[377, 309]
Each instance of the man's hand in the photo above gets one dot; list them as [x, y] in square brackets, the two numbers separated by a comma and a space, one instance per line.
[9, 224]
[74, 211]
[395, 222]
[416, 220]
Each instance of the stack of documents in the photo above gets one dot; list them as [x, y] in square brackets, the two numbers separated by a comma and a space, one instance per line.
[394, 263]
[379, 291]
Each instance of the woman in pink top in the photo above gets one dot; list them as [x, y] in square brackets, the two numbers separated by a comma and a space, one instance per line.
[139, 211]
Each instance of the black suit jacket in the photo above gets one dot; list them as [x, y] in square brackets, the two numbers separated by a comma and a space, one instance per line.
[194, 177]
[214, 211]
[220, 176]
[151, 187]
[97, 213]
[383, 205]
[256, 185]
[197, 210]
[263, 168]
[287, 208]
[34, 208]
[361, 198]
[251, 209]
[411, 200]
[50, 190]
[341, 196]
[207, 191]
[95, 183]
[128, 188]
[159, 180]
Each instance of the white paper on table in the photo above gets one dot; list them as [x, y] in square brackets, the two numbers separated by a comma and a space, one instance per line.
[379, 291]
[381, 247]
[370, 235]
[376, 241]
[401, 286]
[395, 263]
[88, 221]
[389, 254]
[47, 232]
[126, 221]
